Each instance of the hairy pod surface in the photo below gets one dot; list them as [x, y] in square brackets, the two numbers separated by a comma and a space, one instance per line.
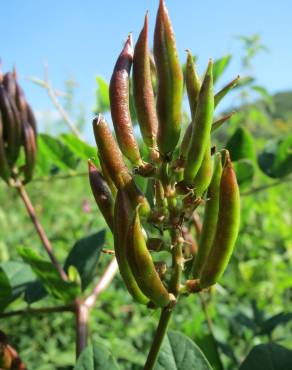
[143, 91]
[170, 82]
[201, 128]
[143, 267]
[210, 219]
[110, 153]
[102, 194]
[119, 102]
[227, 227]
[29, 144]
[123, 216]
[193, 83]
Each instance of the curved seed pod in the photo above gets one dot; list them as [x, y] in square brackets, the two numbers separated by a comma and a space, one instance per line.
[225, 90]
[102, 194]
[227, 227]
[10, 84]
[193, 83]
[119, 102]
[29, 150]
[219, 122]
[21, 102]
[109, 152]
[201, 127]
[184, 146]
[11, 125]
[204, 175]
[4, 168]
[210, 219]
[143, 91]
[123, 215]
[143, 267]
[170, 83]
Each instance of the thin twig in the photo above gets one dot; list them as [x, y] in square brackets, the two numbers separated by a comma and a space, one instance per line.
[103, 283]
[264, 187]
[39, 229]
[82, 317]
[60, 177]
[36, 311]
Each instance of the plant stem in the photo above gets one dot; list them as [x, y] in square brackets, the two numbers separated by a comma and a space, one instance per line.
[39, 229]
[158, 338]
[82, 317]
[264, 187]
[36, 311]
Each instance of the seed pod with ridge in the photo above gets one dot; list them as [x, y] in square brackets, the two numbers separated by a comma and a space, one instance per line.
[119, 102]
[143, 267]
[29, 150]
[102, 194]
[123, 215]
[210, 218]
[4, 168]
[227, 227]
[204, 175]
[170, 83]
[193, 83]
[11, 125]
[143, 91]
[10, 84]
[201, 128]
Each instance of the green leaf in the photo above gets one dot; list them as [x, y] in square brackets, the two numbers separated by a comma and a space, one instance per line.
[241, 145]
[102, 96]
[34, 292]
[5, 289]
[268, 357]
[209, 346]
[45, 271]
[270, 324]
[219, 66]
[178, 352]
[85, 255]
[19, 275]
[245, 170]
[79, 147]
[53, 156]
[268, 99]
[275, 160]
[96, 357]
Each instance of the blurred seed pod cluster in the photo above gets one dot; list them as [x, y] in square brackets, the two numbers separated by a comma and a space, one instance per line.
[18, 131]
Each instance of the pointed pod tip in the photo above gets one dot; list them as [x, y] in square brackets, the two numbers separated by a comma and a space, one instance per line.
[91, 166]
[97, 119]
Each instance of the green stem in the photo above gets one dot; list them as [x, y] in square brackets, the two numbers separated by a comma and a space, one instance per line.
[158, 338]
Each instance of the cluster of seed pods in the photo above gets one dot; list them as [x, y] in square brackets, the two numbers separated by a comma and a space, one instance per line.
[18, 129]
[183, 172]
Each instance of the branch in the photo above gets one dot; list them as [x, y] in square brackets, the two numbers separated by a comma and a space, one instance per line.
[103, 283]
[264, 187]
[35, 311]
[39, 229]
[46, 84]
[61, 177]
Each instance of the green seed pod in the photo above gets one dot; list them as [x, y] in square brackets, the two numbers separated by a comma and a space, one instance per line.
[143, 91]
[219, 122]
[170, 83]
[102, 194]
[143, 267]
[204, 175]
[227, 227]
[210, 219]
[29, 144]
[201, 128]
[123, 215]
[4, 168]
[119, 102]
[193, 83]
[109, 152]
[220, 94]
[11, 125]
[184, 146]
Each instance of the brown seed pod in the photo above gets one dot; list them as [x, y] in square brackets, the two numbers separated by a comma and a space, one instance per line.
[29, 150]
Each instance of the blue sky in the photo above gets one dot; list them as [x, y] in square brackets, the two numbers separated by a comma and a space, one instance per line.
[81, 39]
